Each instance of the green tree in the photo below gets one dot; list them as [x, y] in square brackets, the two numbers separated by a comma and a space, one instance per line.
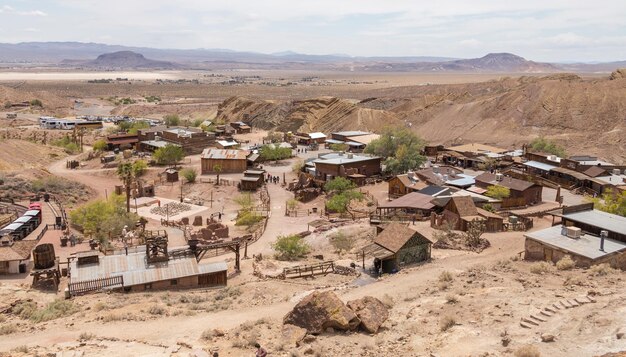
[99, 145]
[339, 185]
[611, 202]
[400, 148]
[548, 146]
[339, 202]
[290, 247]
[132, 128]
[139, 167]
[498, 192]
[126, 173]
[169, 154]
[103, 217]
[274, 152]
[218, 169]
[171, 120]
[189, 174]
[338, 147]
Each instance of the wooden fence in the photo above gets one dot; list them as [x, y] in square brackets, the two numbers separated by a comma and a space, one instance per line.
[307, 270]
[86, 286]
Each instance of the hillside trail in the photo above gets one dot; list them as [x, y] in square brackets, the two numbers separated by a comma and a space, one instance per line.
[100, 184]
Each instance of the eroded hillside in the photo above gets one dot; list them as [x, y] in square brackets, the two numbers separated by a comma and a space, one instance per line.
[586, 116]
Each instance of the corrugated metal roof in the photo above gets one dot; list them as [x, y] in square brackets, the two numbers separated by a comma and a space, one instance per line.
[23, 219]
[224, 154]
[317, 135]
[136, 271]
[587, 245]
[349, 133]
[539, 165]
[333, 141]
[227, 143]
[32, 212]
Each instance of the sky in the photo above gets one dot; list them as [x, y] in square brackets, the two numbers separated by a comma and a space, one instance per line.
[540, 30]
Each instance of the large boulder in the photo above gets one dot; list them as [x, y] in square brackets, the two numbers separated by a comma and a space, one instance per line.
[321, 310]
[293, 335]
[371, 311]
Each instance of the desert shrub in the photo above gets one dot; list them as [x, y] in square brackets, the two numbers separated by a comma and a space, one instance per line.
[2, 319]
[566, 263]
[451, 299]
[99, 145]
[545, 145]
[112, 317]
[388, 301]
[25, 309]
[7, 329]
[498, 192]
[168, 155]
[189, 174]
[152, 99]
[446, 323]
[342, 242]
[67, 144]
[54, 310]
[21, 349]
[446, 276]
[247, 218]
[540, 267]
[156, 310]
[36, 103]
[601, 270]
[292, 203]
[527, 351]
[171, 120]
[290, 247]
[86, 336]
[245, 201]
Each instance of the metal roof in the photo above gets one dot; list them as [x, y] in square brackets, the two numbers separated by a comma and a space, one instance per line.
[227, 143]
[23, 219]
[341, 158]
[595, 218]
[539, 165]
[317, 135]
[354, 143]
[349, 133]
[13, 226]
[333, 141]
[158, 143]
[410, 200]
[135, 270]
[224, 154]
[32, 212]
[464, 180]
[587, 245]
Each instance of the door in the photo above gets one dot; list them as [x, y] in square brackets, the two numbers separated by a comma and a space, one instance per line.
[547, 254]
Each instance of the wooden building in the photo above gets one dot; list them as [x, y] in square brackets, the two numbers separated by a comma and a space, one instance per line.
[252, 180]
[229, 161]
[135, 272]
[397, 245]
[401, 185]
[523, 193]
[241, 127]
[413, 204]
[15, 255]
[340, 164]
[192, 140]
[122, 141]
[311, 138]
[593, 221]
[586, 249]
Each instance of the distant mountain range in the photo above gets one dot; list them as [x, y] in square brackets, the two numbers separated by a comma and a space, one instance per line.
[89, 55]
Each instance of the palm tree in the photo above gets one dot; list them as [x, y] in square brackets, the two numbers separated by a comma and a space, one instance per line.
[126, 174]
[218, 168]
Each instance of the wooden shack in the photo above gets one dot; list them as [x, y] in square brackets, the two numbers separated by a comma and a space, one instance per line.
[252, 180]
[397, 245]
[227, 161]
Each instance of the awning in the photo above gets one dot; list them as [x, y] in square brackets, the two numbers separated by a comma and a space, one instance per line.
[539, 165]
[376, 251]
[333, 141]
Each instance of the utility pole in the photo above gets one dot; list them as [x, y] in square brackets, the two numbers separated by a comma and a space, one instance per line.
[181, 191]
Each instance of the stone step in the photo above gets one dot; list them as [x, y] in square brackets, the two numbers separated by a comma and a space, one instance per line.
[524, 325]
[527, 320]
[537, 318]
[556, 306]
[592, 300]
[549, 309]
[573, 303]
[545, 313]
[567, 306]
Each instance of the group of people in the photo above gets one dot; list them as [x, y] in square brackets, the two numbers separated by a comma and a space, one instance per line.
[273, 179]
[302, 151]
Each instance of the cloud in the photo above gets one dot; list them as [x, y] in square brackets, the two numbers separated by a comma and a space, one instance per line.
[6, 9]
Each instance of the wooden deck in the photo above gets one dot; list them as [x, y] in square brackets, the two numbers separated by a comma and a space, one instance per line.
[309, 270]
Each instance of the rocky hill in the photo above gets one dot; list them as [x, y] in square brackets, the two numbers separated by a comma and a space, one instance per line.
[493, 62]
[127, 59]
[586, 116]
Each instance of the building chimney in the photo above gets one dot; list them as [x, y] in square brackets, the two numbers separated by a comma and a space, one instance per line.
[603, 235]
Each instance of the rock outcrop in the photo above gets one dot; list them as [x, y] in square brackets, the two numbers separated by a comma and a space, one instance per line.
[293, 335]
[371, 311]
[321, 310]
[618, 74]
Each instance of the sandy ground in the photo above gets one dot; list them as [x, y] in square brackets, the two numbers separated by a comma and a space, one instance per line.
[83, 76]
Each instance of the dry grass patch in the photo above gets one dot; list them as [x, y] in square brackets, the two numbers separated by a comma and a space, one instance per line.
[446, 323]
[566, 263]
[7, 329]
[601, 270]
[527, 351]
[540, 267]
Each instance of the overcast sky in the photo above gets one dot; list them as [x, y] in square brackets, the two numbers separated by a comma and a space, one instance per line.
[541, 30]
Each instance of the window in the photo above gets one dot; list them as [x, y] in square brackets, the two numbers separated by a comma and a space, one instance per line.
[148, 286]
[173, 282]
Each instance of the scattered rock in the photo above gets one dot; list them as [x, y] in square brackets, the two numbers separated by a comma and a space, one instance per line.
[293, 335]
[320, 310]
[619, 335]
[198, 353]
[371, 311]
[546, 337]
[309, 338]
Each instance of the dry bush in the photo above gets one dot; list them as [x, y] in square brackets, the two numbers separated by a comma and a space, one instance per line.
[451, 299]
[210, 334]
[446, 323]
[503, 265]
[601, 270]
[156, 310]
[388, 301]
[527, 351]
[86, 336]
[566, 263]
[2, 319]
[446, 276]
[7, 329]
[21, 349]
[112, 317]
[540, 267]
